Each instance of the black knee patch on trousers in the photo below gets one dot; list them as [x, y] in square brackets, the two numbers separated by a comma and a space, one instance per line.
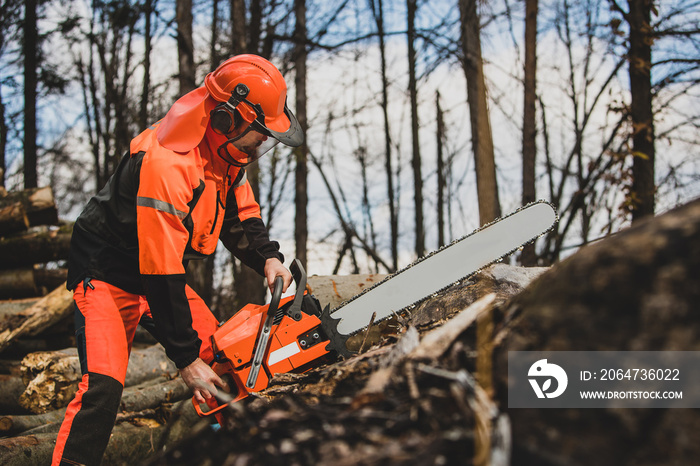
[92, 425]
[80, 342]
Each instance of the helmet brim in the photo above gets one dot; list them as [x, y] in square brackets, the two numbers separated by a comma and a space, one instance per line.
[293, 136]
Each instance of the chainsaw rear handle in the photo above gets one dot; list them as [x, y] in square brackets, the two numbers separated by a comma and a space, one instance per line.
[264, 333]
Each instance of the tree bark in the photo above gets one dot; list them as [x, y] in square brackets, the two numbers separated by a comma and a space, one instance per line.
[30, 49]
[148, 395]
[440, 172]
[13, 218]
[377, 7]
[301, 199]
[239, 43]
[35, 247]
[185, 46]
[146, 88]
[39, 204]
[482, 140]
[12, 388]
[641, 111]
[49, 310]
[528, 257]
[635, 291]
[130, 443]
[416, 162]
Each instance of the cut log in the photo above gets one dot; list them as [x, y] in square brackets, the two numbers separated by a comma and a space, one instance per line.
[131, 442]
[38, 203]
[17, 284]
[49, 310]
[37, 246]
[52, 378]
[149, 395]
[20, 423]
[29, 282]
[13, 218]
[12, 388]
[334, 289]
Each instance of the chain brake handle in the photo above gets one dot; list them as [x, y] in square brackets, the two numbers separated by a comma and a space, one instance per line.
[264, 333]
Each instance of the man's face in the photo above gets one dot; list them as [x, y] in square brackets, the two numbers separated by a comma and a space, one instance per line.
[249, 142]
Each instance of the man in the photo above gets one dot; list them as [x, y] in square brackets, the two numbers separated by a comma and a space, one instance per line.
[181, 188]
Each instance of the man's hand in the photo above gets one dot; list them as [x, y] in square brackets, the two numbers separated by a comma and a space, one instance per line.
[202, 380]
[274, 268]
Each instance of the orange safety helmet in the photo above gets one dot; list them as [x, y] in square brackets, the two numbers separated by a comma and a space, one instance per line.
[244, 93]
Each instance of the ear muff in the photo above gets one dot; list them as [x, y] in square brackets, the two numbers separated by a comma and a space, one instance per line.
[224, 120]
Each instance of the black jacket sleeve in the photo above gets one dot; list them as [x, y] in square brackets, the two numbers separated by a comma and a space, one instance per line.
[248, 240]
[172, 317]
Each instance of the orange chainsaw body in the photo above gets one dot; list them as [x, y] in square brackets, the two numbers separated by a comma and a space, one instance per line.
[293, 346]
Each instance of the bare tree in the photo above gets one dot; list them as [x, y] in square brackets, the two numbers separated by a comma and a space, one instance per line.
[441, 183]
[416, 161]
[528, 256]
[301, 230]
[482, 141]
[30, 93]
[146, 88]
[377, 8]
[641, 112]
[185, 46]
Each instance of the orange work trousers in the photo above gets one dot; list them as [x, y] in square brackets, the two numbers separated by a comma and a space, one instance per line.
[106, 318]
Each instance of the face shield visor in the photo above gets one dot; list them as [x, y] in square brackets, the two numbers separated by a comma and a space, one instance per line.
[260, 133]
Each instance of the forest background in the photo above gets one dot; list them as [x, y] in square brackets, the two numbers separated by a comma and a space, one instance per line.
[423, 119]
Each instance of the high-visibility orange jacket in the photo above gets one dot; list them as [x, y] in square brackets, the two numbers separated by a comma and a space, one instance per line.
[159, 210]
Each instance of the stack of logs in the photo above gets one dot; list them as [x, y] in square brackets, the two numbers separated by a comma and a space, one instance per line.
[31, 237]
[39, 365]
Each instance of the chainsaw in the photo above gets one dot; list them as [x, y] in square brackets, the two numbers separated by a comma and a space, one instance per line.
[295, 334]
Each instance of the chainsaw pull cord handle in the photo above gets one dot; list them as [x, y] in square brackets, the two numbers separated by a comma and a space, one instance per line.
[264, 332]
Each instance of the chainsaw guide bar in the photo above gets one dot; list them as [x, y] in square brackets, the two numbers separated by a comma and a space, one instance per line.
[437, 271]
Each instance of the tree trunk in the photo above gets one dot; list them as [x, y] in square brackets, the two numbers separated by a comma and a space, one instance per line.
[30, 47]
[640, 40]
[378, 12]
[3, 146]
[185, 46]
[440, 172]
[482, 141]
[214, 59]
[301, 229]
[528, 257]
[411, 6]
[146, 89]
[238, 27]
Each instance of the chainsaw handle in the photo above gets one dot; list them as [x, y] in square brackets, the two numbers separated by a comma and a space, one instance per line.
[264, 333]
[213, 410]
[276, 294]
